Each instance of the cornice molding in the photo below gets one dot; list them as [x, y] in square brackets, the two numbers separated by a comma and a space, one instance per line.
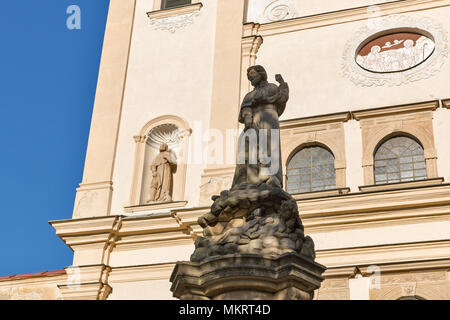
[335, 212]
[390, 254]
[350, 272]
[321, 194]
[164, 13]
[316, 120]
[343, 16]
[155, 206]
[446, 103]
[443, 264]
[402, 185]
[389, 111]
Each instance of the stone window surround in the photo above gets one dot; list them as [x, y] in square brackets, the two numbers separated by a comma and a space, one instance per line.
[325, 131]
[139, 160]
[326, 155]
[414, 120]
[157, 12]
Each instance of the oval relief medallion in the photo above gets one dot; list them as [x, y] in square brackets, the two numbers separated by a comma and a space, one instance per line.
[395, 52]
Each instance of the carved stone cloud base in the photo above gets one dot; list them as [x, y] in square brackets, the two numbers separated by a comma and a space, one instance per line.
[247, 277]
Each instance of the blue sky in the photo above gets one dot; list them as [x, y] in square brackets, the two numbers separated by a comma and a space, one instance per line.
[47, 89]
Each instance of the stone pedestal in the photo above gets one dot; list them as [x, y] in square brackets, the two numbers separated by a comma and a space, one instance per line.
[247, 277]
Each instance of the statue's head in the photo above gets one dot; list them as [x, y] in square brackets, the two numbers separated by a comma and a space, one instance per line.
[163, 147]
[256, 75]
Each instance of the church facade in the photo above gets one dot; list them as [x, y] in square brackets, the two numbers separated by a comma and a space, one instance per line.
[364, 142]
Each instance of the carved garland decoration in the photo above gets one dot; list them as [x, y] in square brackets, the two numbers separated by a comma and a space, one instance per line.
[173, 23]
[427, 69]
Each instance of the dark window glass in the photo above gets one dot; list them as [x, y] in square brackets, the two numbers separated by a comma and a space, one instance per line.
[311, 169]
[400, 159]
[167, 4]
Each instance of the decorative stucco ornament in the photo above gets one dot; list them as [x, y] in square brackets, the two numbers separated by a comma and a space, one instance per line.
[165, 133]
[278, 10]
[389, 25]
[173, 23]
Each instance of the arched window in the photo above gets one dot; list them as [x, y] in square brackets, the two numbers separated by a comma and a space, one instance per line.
[399, 159]
[311, 169]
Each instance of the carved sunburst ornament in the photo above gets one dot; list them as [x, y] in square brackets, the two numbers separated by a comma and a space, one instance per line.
[165, 133]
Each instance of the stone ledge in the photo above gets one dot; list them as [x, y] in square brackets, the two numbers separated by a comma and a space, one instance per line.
[340, 16]
[402, 185]
[446, 103]
[393, 110]
[315, 120]
[321, 194]
[155, 206]
[247, 277]
[164, 13]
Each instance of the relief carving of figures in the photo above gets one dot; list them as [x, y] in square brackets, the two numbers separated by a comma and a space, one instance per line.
[416, 52]
[395, 52]
[163, 168]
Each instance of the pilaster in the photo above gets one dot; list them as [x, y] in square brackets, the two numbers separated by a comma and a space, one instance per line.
[94, 194]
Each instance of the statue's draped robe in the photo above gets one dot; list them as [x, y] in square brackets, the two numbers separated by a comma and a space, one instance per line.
[164, 165]
[266, 103]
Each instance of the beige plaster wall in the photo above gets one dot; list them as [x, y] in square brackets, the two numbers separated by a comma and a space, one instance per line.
[150, 255]
[141, 290]
[311, 62]
[353, 155]
[168, 74]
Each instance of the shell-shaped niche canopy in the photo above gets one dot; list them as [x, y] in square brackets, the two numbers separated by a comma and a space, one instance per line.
[165, 133]
[395, 50]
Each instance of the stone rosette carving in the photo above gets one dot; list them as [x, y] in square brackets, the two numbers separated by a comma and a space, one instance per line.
[425, 70]
[175, 22]
[278, 10]
[253, 219]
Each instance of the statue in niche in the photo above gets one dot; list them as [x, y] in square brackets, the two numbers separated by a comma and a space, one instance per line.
[163, 168]
[260, 112]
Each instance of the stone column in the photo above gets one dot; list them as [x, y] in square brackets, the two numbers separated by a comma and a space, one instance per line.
[247, 277]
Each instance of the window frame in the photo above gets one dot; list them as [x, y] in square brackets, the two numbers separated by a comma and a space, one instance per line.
[164, 4]
[311, 166]
[414, 120]
[399, 172]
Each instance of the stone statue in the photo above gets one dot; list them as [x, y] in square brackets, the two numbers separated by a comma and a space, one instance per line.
[259, 113]
[163, 168]
[256, 216]
[253, 244]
